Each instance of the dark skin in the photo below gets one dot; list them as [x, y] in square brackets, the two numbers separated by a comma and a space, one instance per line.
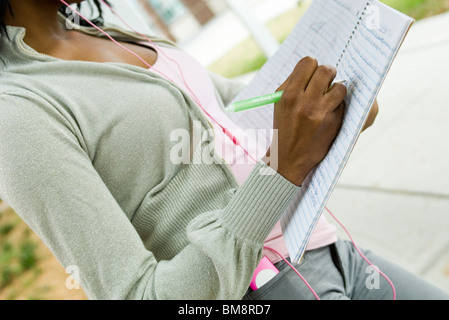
[46, 35]
[308, 117]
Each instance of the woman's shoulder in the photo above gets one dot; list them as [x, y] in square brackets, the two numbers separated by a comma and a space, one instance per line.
[15, 85]
[19, 106]
[11, 95]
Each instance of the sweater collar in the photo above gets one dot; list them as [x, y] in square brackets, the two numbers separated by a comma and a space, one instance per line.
[14, 51]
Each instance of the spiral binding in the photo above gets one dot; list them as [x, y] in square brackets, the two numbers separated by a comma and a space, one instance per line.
[353, 32]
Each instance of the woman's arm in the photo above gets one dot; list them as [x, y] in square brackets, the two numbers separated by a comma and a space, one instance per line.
[48, 178]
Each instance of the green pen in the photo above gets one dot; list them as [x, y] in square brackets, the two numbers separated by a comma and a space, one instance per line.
[261, 101]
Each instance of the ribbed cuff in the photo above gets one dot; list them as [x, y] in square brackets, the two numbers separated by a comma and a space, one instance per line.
[257, 206]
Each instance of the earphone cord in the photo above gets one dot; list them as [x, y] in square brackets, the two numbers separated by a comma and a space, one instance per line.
[355, 246]
[192, 94]
[225, 130]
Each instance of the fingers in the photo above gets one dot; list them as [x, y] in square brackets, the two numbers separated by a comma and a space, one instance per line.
[371, 116]
[284, 85]
[336, 118]
[303, 73]
[322, 79]
[312, 81]
[336, 95]
[308, 75]
[340, 110]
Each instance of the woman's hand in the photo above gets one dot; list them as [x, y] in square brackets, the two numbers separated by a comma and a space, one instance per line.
[306, 120]
[372, 116]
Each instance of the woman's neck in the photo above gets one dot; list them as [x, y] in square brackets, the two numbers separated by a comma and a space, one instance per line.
[47, 35]
[40, 18]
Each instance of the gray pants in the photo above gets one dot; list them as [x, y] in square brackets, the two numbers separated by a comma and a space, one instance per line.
[339, 272]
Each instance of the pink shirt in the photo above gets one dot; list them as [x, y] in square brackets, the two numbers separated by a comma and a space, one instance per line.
[200, 83]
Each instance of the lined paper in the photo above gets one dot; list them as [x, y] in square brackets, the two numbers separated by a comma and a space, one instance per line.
[359, 38]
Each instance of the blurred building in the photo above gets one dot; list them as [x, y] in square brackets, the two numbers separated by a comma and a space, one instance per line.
[180, 19]
[205, 28]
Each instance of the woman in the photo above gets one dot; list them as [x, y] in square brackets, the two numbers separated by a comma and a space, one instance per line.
[86, 159]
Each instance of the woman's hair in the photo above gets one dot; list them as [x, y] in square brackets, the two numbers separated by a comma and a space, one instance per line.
[5, 7]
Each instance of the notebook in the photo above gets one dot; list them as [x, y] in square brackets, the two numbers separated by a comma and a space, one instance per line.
[360, 38]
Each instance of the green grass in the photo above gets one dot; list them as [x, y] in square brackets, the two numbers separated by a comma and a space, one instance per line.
[248, 57]
[28, 270]
[17, 249]
[16, 259]
[419, 9]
